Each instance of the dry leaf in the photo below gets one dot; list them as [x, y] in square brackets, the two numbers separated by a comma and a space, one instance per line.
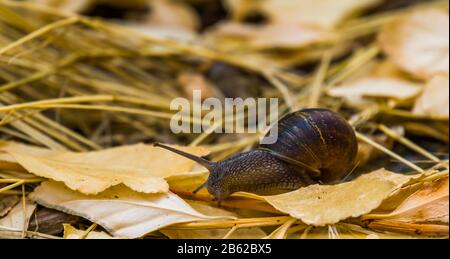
[428, 204]
[375, 69]
[383, 87]
[50, 221]
[17, 220]
[244, 233]
[8, 163]
[172, 14]
[121, 211]
[397, 197]
[419, 42]
[272, 35]
[7, 203]
[319, 13]
[320, 205]
[141, 167]
[190, 82]
[434, 100]
[16, 174]
[189, 182]
[73, 233]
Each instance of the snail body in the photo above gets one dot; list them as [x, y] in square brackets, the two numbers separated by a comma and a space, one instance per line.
[313, 145]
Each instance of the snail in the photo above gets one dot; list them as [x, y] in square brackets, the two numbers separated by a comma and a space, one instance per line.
[313, 146]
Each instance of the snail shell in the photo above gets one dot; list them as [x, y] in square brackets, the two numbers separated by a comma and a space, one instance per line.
[319, 138]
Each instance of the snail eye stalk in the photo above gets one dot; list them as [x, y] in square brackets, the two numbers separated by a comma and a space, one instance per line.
[209, 165]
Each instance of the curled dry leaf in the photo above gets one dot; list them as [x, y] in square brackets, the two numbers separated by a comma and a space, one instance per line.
[428, 204]
[397, 197]
[141, 167]
[73, 233]
[243, 233]
[382, 87]
[419, 42]
[272, 35]
[321, 205]
[434, 101]
[121, 211]
[17, 220]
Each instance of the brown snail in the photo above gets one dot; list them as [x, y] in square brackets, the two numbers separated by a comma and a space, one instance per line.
[313, 145]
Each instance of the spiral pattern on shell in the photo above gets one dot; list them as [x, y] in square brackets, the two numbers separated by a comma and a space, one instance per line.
[319, 138]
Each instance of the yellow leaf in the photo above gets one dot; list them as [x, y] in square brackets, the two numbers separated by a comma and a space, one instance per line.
[434, 100]
[428, 204]
[73, 233]
[187, 183]
[121, 211]
[397, 197]
[272, 35]
[141, 167]
[419, 42]
[321, 205]
[382, 87]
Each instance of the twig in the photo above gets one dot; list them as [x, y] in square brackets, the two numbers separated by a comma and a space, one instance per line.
[40, 32]
[388, 152]
[242, 223]
[284, 90]
[76, 99]
[319, 78]
[12, 186]
[408, 143]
